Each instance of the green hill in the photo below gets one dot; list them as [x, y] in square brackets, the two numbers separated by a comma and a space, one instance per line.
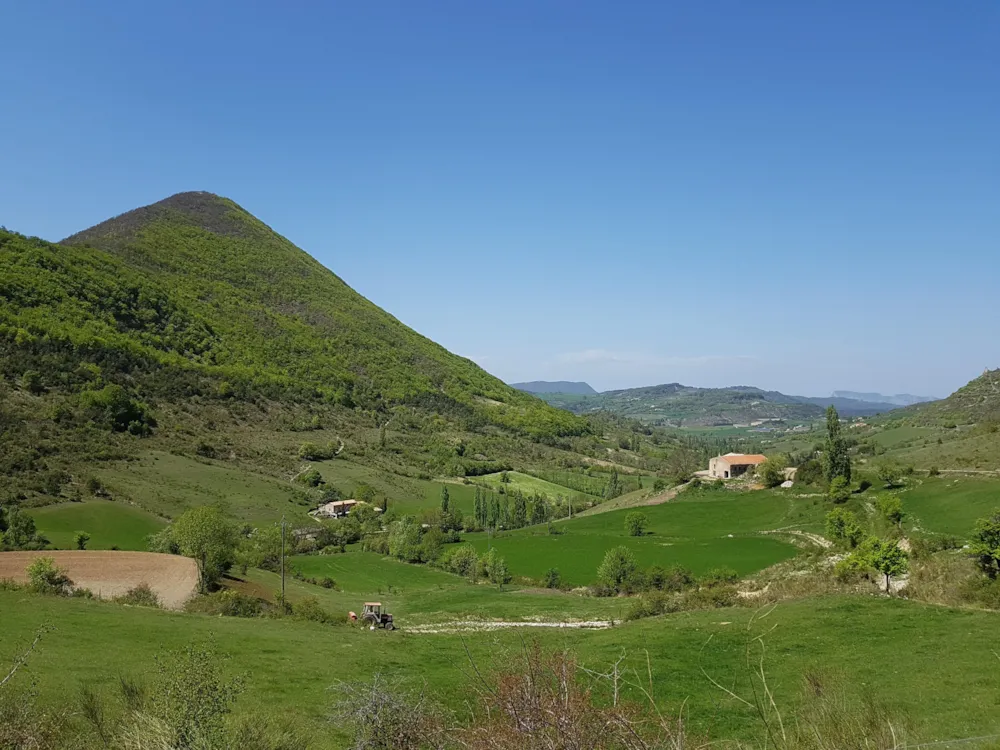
[191, 325]
[974, 403]
[263, 313]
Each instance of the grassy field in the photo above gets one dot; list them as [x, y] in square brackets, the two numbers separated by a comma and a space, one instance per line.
[531, 485]
[896, 436]
[700, 530]
[109, 524]
[931, 664]
[167, 485]
[951, 505]
[426, 595]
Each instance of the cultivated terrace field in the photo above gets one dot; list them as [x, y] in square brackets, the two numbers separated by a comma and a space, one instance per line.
[182, 389]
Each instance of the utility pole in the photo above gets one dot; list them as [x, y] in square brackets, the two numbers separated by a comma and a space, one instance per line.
[282, 564]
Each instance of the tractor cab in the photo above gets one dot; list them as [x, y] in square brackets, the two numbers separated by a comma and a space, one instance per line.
[373, 614]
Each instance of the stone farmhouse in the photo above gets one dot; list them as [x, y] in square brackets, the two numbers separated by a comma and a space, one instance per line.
[734, 465]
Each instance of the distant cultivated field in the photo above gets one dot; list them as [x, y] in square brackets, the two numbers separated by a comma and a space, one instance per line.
[699, 530]
[108, 574]
[110, 524]
[530, 485]
[951, 505]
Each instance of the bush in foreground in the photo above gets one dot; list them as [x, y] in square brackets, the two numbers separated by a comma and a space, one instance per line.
[45, 577]
[140, 596]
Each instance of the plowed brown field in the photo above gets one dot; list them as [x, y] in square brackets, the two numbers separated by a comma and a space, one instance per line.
[107, 574]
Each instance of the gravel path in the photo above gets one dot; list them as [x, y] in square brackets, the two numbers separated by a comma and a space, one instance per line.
[464, 626]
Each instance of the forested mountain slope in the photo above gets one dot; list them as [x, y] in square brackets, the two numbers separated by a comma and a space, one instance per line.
[191, 324]
[251, 306]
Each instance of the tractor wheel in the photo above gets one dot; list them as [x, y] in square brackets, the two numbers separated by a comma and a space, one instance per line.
[390, 626]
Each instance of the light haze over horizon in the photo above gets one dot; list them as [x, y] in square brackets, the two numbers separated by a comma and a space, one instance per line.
[802, 197]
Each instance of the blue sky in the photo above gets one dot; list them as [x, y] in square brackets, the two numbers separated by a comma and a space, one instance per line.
[800, 196]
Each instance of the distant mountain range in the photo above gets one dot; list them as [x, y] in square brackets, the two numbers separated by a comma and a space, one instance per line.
[681, 405]
[900, 399]
[555, 386]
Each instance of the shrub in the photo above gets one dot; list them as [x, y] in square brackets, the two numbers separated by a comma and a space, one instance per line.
[840, 490]
[889, 472]
[618, 570]
[843, 526]
[810, 472]
[228, 603]
[719, 577]
[139, 596]
[551, 579]
[635, 523]
[851, 569]
[652, 604]
[772, 471]
[495, 568]
[311, 478]
[983, 591]
[659, 485]
[310, 609]
[44, 577]
[312, 452]
[891, 509]
[710, 597]
[80, 539]
[678, 578]
[380, 714]
[113, 408]
[985, 547]
[934, 471]
[461, 560]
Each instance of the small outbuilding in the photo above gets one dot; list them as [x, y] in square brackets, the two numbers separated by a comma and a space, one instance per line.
[734, 465]
[338, 508]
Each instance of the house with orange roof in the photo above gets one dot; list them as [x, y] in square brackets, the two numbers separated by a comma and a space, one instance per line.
[734, 465]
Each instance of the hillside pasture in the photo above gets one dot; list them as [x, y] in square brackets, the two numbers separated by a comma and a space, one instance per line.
[578, 556]
[109, 574]
[951, 504]
[530, 485]
[418, 594]
[893, 437]
[110, 524]
[700, 530]
[168, 484]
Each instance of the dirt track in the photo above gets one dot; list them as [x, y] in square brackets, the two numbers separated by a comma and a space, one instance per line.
[109, 574]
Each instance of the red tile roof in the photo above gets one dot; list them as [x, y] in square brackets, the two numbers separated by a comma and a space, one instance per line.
[743, 459]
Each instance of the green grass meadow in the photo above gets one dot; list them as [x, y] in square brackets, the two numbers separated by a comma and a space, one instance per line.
[699, 530]
[951, 505]
[168, 484]
[931, 664]
[530, 485]
[423, 595]
[110, 524]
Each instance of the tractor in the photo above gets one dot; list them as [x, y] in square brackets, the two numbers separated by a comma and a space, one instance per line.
[373, 613]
